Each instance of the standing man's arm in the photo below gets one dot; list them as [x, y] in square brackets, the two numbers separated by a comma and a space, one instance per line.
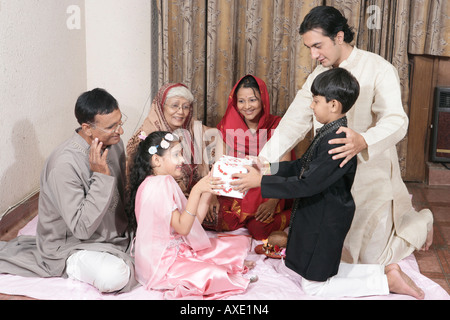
[294, 125]
[391, 122]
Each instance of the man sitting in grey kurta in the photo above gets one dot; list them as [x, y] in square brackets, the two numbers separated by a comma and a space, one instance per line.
[82, 228]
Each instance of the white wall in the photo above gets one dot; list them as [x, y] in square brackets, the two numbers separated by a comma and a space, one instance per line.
[42, 72]
[45, 66]
[118, 55]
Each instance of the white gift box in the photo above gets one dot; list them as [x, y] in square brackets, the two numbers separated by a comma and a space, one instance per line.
[224, 168]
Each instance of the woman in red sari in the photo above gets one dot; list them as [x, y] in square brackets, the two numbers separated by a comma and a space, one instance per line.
[246, 126]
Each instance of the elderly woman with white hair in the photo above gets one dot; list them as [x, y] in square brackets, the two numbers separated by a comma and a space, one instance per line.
[172, 110]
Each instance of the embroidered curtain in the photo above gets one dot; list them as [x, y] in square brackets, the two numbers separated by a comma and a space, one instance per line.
[210, 44]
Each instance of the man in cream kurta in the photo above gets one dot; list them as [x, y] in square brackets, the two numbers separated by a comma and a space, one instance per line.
[385, 227]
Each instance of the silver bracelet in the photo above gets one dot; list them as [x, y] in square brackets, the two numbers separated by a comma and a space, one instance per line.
[189, 213]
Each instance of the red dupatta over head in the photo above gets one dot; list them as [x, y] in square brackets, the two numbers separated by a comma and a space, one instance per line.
[241, 142]
[235, 132]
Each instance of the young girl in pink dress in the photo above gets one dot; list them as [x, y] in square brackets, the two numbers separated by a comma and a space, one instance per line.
[172, 251]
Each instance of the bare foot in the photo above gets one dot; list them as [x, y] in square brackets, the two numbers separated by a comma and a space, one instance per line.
[249, 264]
[430, 229]
[429, 240]
[400, 283]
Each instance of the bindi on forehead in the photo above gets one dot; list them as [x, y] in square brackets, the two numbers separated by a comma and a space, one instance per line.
[246, 96]
[247, 93]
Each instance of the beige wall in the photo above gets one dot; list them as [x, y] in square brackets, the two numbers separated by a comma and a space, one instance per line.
[118, 54]
[47, 58]
[42, 71]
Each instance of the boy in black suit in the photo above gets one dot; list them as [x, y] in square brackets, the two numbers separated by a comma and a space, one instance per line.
[324, 206]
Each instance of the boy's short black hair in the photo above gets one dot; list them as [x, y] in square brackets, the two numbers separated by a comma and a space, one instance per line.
[92, 103]
[330, 20]
[339, 84]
